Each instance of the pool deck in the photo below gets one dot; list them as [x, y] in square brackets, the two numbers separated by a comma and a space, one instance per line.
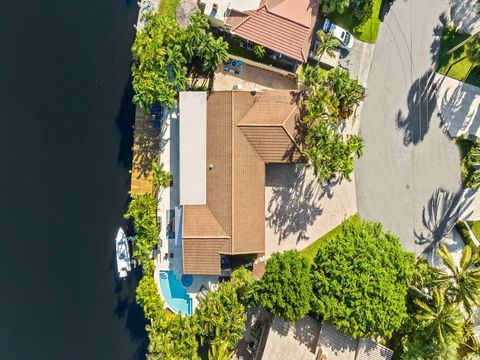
[168, 198]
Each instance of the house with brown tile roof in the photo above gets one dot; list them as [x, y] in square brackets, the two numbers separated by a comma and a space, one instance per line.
[283, 26]
[225, 140]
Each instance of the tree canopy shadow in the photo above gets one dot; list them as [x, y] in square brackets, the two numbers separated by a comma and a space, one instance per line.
[437, 33]
[295, 202]
[421, 105]
[440, 215]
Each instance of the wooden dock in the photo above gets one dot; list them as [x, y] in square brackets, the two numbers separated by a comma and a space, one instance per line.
[145, 151]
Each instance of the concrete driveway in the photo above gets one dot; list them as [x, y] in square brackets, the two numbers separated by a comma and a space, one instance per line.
[299, 210]
[409, 175]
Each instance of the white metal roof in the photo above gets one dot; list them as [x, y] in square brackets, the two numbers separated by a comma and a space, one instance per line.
[193, 147]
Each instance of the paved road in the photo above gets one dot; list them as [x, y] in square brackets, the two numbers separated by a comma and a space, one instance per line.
[409, 175]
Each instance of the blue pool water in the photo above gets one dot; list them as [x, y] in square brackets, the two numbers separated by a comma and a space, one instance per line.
[174, 293]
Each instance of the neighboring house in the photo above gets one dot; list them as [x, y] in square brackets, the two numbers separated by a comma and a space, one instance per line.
[308, 339]
[226, 138]
[283, 26]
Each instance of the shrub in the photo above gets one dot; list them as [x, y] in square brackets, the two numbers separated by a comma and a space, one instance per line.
[286, 285]
[246, 286]
[161, 178]
[143, 210]
[259, 51]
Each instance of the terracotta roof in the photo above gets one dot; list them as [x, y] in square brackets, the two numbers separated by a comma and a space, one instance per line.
[284, 26]
[235, 18]
[233, 220]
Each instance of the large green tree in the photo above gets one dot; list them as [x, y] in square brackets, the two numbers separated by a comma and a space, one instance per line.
[334, 5]
[286, 286]
[220, 317]
[360, 280]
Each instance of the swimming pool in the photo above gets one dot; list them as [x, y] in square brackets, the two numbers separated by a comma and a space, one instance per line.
[174, 293]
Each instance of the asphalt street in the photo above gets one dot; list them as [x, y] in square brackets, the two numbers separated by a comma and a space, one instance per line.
[409, 175]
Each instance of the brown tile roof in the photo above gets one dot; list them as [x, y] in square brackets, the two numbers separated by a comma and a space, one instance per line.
[198, 221]
[233, 220]
[284, 26]
[202, 255]
[270, 126]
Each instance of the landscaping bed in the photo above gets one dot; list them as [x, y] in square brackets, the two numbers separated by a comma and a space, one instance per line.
[469, 155]
[366, 31]
[456, 65]
[234, 48]
[311, 251]
[475, 226]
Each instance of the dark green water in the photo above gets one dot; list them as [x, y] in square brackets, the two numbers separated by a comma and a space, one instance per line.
[65, 139]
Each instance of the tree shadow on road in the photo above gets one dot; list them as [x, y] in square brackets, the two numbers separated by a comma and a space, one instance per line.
[437, 33]
[440, 215]
[421, 105]
[295, 202]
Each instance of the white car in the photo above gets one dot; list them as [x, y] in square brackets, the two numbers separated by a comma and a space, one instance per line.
[342, 35]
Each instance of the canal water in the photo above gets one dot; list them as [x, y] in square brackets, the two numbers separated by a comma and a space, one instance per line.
[65, 137]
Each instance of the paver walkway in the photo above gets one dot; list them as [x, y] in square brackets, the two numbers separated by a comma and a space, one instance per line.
[459, 104]
[409, 175]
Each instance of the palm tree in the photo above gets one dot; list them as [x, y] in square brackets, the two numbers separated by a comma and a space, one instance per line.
[462, 281]
[442, 318]
[259, 51]
[220, 351]
[327, 44]
[216, 52]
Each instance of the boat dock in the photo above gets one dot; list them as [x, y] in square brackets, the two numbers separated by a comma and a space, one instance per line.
[145, 150]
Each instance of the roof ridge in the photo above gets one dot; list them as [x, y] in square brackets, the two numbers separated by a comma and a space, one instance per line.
[232, 117]
[244, 20]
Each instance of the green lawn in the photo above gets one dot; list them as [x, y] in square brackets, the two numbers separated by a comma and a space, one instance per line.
[475, 226]
[311, 251]
[456, 65]
[168, 7]
[368, 31]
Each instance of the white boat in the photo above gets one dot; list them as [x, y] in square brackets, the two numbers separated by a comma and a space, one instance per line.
[124, 262]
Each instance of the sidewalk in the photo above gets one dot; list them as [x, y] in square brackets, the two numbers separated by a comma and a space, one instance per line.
[465, 15]
[458, 104]
[358, 62]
